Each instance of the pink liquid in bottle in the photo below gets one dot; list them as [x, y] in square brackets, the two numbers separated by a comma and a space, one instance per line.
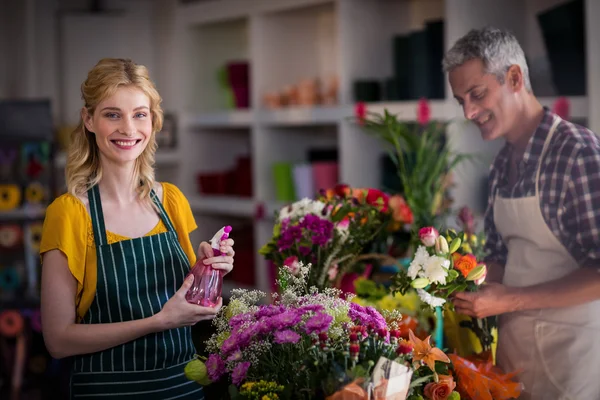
[208, 281]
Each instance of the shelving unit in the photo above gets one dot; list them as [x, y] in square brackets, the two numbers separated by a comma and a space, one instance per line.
[286, 41]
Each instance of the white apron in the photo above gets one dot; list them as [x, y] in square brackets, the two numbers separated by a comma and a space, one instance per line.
[558, 350]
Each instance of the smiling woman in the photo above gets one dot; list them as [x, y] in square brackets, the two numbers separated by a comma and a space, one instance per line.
[116, 250]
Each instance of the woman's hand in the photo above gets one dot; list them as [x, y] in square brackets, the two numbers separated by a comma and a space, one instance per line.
[177, 312]
[223, 262]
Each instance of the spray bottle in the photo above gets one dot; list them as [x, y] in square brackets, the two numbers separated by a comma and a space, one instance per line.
[208, 281]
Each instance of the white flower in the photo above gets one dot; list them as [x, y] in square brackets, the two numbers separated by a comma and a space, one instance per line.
[301, 208]
[416, 266]
[429, 299]
[436, 269]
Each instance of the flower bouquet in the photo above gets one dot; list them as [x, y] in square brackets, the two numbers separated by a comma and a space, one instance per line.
[332, 231]
[440, 268]
[317, 345]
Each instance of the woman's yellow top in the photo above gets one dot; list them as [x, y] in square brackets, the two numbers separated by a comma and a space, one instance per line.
[68, 228]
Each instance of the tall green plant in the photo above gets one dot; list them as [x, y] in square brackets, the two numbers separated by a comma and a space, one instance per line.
[423, 161]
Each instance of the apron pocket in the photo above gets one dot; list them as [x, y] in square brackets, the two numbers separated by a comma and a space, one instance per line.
[569, 358]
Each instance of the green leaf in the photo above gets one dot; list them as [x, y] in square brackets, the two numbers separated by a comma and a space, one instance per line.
[452, 275]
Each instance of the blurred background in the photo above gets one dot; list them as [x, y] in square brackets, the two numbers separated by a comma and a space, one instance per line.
[259, 97]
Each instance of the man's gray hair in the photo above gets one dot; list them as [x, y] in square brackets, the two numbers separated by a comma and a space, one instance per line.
[497, 49]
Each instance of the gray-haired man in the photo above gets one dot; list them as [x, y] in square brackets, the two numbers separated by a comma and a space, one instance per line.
[542, 223]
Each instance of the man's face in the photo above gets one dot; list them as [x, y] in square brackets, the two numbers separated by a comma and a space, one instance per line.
[486, 102]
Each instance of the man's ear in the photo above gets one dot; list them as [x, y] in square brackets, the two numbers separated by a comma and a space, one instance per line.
[87, 119]
[514, 78]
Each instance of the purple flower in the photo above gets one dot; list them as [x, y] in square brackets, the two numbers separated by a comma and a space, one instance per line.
[235, 356]
[284, 320]
[230, 344]
[376, 318]
[318, 323]
[286, 336]
[322, 229]
[238, 320]
[215, 367]
[289, 236]
[268, 311]
[304, 250]
[359, 314]
[239, 373]
[310, 308]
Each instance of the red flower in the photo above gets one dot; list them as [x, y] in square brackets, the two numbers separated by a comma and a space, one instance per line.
[423, 112]
[378, 198]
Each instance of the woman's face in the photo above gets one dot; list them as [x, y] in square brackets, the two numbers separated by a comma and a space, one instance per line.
[122, 124]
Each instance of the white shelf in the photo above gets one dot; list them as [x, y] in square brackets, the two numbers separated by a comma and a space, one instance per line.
[224, 205]
[220, 119]
[305, 116]
[407, 110]
[23, 214]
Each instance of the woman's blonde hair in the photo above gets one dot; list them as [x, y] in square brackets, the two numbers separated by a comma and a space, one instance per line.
[83, 169]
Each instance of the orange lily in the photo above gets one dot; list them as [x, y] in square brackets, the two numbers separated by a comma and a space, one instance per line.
[422, 351]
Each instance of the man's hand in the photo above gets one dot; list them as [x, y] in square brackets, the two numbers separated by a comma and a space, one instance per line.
[491, 299]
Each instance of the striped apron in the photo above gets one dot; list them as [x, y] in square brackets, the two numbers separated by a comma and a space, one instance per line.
[136, 277]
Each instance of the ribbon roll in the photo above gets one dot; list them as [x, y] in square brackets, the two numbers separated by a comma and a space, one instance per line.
[9, 278]
[10, 236]
[38, 364]
[11, 323]
[10, 197]
[35, 318]
[35, 236]
[35, 193]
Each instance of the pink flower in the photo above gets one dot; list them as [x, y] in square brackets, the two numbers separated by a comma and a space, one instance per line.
[360, 110]
[428, 236]
[561, 107]
[239, 373]
[292, 264]
[423, 112]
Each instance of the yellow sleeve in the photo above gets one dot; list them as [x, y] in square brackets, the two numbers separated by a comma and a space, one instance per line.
[65, 229]
[179, 211]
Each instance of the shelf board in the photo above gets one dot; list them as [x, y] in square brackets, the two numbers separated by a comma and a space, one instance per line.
[162, 157]
[407, 110]
[320, 115]
[23, 214]
[578, 105]
[224, 205]
[221, 119]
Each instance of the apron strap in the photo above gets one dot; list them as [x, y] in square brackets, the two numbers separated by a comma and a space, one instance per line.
[97, 216]
[557, 121]
[162, 212]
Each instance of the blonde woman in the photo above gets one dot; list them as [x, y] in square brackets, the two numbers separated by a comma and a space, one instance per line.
[116, 249]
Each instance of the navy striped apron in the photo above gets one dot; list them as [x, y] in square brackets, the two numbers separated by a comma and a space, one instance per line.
[136, 277]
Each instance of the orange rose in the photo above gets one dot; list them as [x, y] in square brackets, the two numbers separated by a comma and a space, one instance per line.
[440, 390]
[400, 210]
[465, 264]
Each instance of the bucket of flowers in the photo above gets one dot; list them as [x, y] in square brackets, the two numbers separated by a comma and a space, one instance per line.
[310, 344]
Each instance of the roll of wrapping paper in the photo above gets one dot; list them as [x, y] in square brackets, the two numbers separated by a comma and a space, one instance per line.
[11, 323]
[38, 364]
[35, 320]
[10, 197]
[35, 193]
[10, 236]
[8, 157]
[35, 236]
[9, 278]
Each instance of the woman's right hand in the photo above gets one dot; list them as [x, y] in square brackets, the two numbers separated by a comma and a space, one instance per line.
[177, 312]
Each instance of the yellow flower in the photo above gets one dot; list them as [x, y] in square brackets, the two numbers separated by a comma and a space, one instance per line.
[467, 248]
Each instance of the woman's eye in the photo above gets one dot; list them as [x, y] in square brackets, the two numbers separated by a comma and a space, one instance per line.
[111, 115]
[141, 115]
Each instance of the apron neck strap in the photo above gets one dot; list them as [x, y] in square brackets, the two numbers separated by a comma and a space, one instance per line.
[557, 121]
[162, 212]
[97, 216]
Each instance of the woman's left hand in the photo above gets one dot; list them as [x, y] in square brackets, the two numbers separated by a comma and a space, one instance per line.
[223, 262]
